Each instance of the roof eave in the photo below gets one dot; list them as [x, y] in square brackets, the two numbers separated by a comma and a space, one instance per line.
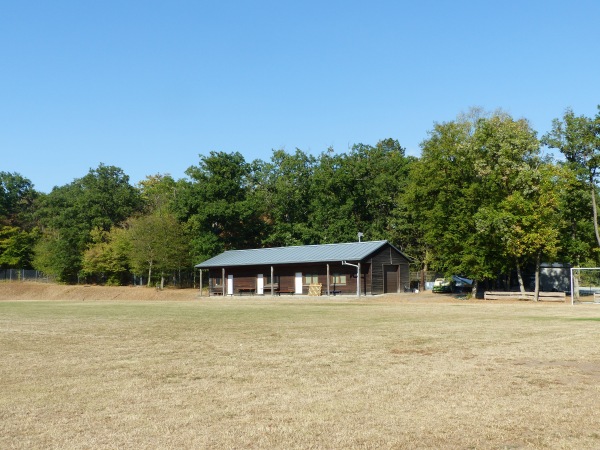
[278, 263]
[381, 243]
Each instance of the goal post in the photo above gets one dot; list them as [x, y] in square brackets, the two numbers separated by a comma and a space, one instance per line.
[585, 285]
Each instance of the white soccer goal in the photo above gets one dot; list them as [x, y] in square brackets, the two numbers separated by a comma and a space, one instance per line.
[585, 285]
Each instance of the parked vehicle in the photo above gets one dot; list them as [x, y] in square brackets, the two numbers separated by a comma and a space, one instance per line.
[454, 284]
[461, 284]
[442, 285]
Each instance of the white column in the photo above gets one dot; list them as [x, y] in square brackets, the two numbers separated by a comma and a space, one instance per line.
[260, 284]
[298, 283]
[230, 284]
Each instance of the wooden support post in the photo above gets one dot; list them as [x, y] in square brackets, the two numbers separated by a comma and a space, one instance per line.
[223, 281]
[200, 282]
[358, 280]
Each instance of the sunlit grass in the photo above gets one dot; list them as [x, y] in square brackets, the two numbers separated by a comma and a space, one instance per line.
[267, 373]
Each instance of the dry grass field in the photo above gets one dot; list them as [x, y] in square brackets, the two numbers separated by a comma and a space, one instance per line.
[384, 372]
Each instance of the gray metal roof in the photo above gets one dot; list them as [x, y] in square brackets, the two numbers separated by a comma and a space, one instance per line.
[352, 251]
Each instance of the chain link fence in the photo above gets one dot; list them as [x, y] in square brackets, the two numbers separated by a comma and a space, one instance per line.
[24, 275]
[181, 279]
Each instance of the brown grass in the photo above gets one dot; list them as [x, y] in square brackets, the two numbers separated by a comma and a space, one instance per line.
[384, 372]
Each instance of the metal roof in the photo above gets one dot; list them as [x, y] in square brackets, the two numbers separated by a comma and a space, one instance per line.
[352, 251]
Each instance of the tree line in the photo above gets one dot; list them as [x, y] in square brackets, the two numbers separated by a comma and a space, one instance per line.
[482, 201]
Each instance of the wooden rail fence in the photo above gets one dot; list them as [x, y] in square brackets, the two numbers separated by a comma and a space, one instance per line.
[543, 296]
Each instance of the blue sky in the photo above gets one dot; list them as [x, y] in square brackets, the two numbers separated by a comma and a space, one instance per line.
[149, 85]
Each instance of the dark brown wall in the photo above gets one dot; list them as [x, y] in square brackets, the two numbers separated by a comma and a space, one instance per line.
[246, 277]
[388, 256]
[372, 275]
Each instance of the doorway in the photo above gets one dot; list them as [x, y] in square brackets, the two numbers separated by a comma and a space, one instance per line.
[298, 283]
[390, 279]
[229, 284]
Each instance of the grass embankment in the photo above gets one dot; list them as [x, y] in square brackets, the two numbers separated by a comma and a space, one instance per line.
[264, 373]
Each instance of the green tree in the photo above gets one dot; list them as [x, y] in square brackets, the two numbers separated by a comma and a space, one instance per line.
[578, 139]
[526, 224]
[579, 246]
[470, 168]
[443, 196]
[283, 196]
[107, 256]
[68, 214]
[16, 247]
[18, 233]
[332, 200]
[159, 193]
[217, 205]
[157, 243]
[358, 191]
[54, 255]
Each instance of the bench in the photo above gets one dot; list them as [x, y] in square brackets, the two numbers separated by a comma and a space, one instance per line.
[542, 296]
[335, 292]
[285, 292]
[243, 291]
[215, 291]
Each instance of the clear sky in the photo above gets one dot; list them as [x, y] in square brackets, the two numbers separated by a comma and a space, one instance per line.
[149, 85]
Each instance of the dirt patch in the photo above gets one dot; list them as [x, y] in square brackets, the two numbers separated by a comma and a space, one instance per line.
[50, 291]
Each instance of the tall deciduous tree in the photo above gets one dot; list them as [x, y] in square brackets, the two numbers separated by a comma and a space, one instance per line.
[444, 201]
[470, 168]
[107, 256]
[217, 205]
[17, 227]
[578, 139]
[154, 242]
[283, 195]
[157, 244]
[17, 196]
[99, 200]
[526, 224]
[578, 242]
[358, 191]
[159, 193]
[16, 247]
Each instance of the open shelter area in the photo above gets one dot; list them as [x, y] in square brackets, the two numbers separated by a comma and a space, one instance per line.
[395, 371]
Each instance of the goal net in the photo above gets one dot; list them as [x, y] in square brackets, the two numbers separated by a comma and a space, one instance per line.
[585, 285]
